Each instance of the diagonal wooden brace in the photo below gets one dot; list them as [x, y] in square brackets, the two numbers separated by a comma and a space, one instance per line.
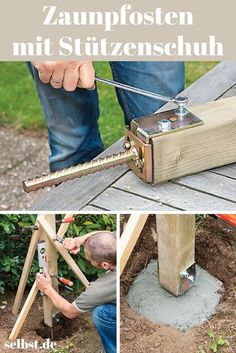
[24, 312]
[64, 253]
[64, 226]
[26, 269]
[130, 237]
[45, 224]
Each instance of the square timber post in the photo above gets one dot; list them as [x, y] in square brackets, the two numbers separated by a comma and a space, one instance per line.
[51, 257]
[176, 252]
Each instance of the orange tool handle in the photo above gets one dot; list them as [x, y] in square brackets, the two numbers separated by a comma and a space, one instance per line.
[229, 218]
[68, 220]
[65, 281]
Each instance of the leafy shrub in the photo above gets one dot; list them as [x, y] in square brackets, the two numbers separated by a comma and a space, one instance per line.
[14, 243]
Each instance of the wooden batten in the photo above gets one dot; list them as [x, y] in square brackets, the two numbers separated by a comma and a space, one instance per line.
[203, 147]
[24, 312]
[130, 236]
[26, 269]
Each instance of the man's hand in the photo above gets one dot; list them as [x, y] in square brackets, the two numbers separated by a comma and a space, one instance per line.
[43, 281]
[72, 244]
[67, 74]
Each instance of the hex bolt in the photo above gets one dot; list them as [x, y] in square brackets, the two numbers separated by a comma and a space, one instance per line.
[165, 125]
[139, 163]
[186, 275]
[127, 145]
[181, 102]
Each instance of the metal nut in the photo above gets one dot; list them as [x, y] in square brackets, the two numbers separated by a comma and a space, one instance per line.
[127, 145]
[139, 163]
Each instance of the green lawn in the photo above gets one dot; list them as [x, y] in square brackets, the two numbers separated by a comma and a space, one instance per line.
[19, 105]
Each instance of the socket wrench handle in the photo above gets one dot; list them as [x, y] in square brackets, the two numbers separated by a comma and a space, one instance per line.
[180, 101]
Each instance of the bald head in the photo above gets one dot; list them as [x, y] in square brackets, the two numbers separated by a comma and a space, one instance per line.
[102, 247]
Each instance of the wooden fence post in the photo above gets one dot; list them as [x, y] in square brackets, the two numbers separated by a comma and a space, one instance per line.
[176, 245]
[51, 255]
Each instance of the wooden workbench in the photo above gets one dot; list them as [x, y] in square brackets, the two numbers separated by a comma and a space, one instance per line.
[119, 189]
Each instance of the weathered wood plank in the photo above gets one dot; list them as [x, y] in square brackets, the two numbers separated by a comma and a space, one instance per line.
[211, 183]
[177, 196]
[228, 171]
[210, 86]
[229, 93]
[78, 193]
[92, 208]
[118, 200]
[176, 248]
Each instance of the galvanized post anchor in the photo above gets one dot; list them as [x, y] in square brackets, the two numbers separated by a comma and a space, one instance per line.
[187, 279]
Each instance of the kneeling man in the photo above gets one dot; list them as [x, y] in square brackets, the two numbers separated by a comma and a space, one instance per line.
[100, 296]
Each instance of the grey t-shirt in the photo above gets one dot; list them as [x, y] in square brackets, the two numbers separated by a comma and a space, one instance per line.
[102, 291]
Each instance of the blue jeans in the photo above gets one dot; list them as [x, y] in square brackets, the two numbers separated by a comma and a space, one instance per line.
[104, 319]
[72, 117]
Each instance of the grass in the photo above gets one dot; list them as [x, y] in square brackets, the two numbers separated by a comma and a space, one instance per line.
[20, 108]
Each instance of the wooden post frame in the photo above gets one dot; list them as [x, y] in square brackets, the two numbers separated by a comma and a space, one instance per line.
[64, 253]
[46, 231]
[176, 250]
[26, 269]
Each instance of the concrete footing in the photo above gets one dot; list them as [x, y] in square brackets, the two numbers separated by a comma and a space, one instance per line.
[148, 299]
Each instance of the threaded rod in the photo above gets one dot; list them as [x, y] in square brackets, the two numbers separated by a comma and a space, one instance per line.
[79, 170]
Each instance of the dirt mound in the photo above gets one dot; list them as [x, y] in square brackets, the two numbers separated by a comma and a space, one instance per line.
[78, 334]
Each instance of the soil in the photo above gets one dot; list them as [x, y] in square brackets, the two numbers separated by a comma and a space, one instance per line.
[78, 334]
[215, 252]
[24, 154]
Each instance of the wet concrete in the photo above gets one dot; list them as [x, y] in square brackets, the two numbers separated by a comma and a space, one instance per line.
[147, 298]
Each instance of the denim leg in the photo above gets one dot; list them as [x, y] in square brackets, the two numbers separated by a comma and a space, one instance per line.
[104, 319]
[163, 77]
[72, 122]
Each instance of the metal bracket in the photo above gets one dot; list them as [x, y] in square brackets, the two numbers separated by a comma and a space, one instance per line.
[187, 279]
[143, 166]
[163, 123]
